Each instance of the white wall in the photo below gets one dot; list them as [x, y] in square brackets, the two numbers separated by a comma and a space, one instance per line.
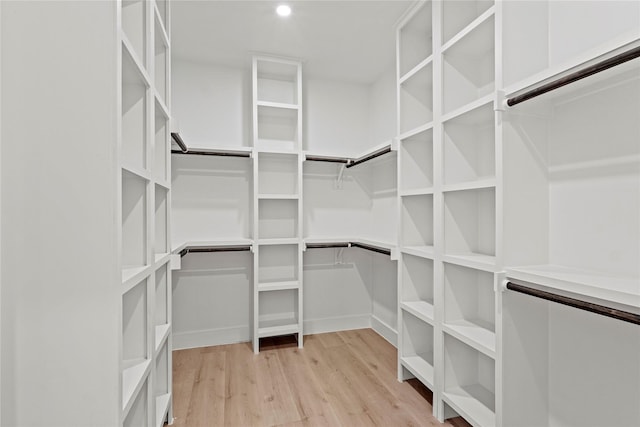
[60, 322]
[335, 117]
[212, 104]
[211, 200]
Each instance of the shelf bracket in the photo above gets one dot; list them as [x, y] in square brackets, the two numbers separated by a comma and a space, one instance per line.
[500, 101]
[339, 256]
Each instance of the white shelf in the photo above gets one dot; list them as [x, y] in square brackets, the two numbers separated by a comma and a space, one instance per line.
[427, 252]
[161, 334]
[474, 335]
[131, 276]
[416, 99]
[420, 368]
[415, 35]
[424, 191]
[594, 284]
[468, 401]
[469, 66]
[274, 328]
[471, 106]
[132, 380]
[136, 171]
[477, 22]
[278, 286]
[161, 259]
[470, 185]
[162, 407]
[473, 260]
[278, 196]
[139, 69]
[281, 241]
[420, 309]
[424, 63]
[277, 105]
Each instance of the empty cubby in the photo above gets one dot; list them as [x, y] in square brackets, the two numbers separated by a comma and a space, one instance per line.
[278, 309]
[470, 222]
[277, 82]
[458, 14]
[134, 25]
[161, 146]
[277, 128]
[139, 413]
[134, 220]
[134, 115]
[161, 58]
[415, 40]
[278, 263]
[417, 348]
[277, 218]
[417, 285]
[162, 297]
[417, 221]
[278, 174]
[416, 161]
[416, 99]
[469, 146]
[161, 221]
[134, 323]
[469, 67]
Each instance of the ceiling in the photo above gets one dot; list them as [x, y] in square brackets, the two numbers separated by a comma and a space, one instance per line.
[340, 40]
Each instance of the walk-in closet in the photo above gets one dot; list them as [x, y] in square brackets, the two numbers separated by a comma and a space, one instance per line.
[332, 213]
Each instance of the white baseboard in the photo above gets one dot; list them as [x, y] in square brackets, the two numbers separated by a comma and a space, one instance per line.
[335, 324]
[211, 337]
[238, 334]
[384, 330]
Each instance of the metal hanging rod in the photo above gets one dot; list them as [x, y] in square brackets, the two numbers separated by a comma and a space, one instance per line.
[328, 245]
[616, 311]
[327, 159]
[178, 139]
[377, 153]
[371, 248]
[575, 76]
[223, 153]
[185, 150]
[232, 248]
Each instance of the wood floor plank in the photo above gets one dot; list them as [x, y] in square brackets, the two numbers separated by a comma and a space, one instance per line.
[339, 379]
[312, 403]
[207, 402]
[277, 405]
[242, 402]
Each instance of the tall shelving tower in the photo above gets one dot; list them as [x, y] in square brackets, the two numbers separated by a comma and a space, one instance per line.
[277, 198]
[143, 146]
[446, 67]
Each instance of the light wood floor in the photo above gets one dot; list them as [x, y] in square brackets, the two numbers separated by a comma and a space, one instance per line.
[338, 379]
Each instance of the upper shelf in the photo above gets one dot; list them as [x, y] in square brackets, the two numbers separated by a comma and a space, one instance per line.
[590, 284]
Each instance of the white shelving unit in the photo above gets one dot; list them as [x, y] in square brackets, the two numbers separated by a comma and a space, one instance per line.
[145, 215]
[447, 204]
[277, 201]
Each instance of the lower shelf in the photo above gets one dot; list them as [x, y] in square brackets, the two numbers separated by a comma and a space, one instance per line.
[274, 328]
[162, 407]
[474, 403]
[420, 367]
[132, 380]
[278, 286]
[474, 335]
[421, 309]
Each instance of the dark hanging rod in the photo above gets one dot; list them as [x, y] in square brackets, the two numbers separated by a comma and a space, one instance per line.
[213, 153]
[327, 159]
[328, 245]
[196, 249]
[178, 139]
[575, 76]
[371, 248]
[614, 310]
[368, 157]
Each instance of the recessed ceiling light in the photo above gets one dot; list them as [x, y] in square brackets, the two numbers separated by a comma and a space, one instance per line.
[283, 10]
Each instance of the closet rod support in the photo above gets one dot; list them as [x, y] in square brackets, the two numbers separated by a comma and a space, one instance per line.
[575, 76]
[178, 139]
[616, 311]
